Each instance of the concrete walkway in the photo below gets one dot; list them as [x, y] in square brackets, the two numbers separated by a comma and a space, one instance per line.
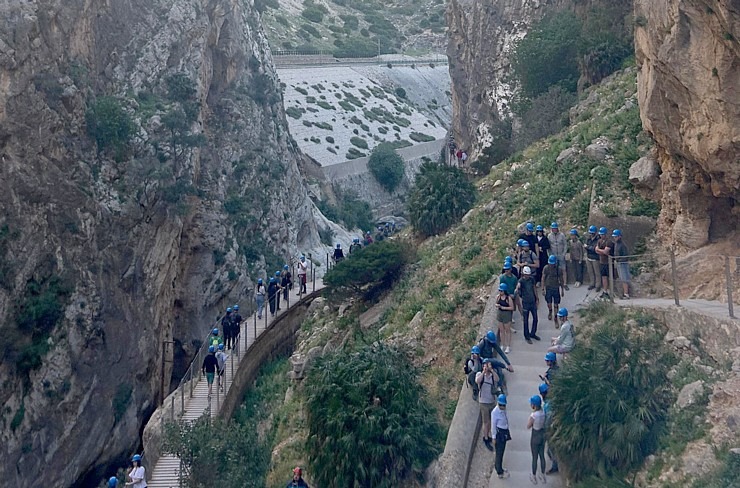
[528, 362]
[166, 472]
[709, 308]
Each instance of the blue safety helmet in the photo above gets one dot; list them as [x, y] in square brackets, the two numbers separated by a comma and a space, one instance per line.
[356, 240]
[491, 337]
[573, 232]
[303, 258]
[554, 225]
[272, 280]
[540, 228]
[277, 273]
[507, 265]
[535, 401]
[503, 287]
[112, 482]
[616, 233]
[563, 312]
[214, 331]
[544, 388]
[530, 227]
[211, 349]
[552, 260]
[602, 231]
[520, 242]
[475, 350]
[338, 245]
[236, 308]
[502, 399]
[551, 356]
[508, 259]
[592, 229]
[220, 347]
[259, 281]
[286, 267]
[228, 309]
[136, 458]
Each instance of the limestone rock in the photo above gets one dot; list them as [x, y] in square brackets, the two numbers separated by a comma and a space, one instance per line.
[689, 394]
[645, 173]
[566, 155]
[598, 149]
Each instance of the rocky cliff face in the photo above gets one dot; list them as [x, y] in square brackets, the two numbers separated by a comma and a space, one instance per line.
[147, 175]
[689, 58]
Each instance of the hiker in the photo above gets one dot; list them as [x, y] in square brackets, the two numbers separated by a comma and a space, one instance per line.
[338, 253]
[463, 157]
[273, 291]
[221, 358]
[210, 364]
[487, 381]
[576, 254]
[278, 282]
[226, 326]
[592, 259]
[552, 283]
[259, 296]
[297, 481]
[501, 434]
[527, 292]
[604, 248]
[507, 276]
[551, 360]
[558, 247]
[137, 475]
[536, 422]
[458, 155]
[236, 326]
[302, 271]
[355, 246]
[529, 236]
[623, 265]
[505, 307]
[514, 269]
[542, 250]
[488, 345]
[216, 338]
[368, 239]
[287, 282]
[544, 389]
[112, 482]
[565, 342]
[525, 256]
[473, 365]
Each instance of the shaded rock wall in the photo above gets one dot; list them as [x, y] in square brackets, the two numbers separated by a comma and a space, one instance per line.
[139, 234]
[689, 57]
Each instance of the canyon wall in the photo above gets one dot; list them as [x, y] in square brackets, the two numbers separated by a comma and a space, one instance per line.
[147, 177]
[688, 52]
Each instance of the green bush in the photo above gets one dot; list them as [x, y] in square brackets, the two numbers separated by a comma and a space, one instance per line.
[610, 399]
[420, 137]
[441, 196]
[400, 92]
[370, 407]
[386, 166]
[357, 47]
[311, 30]
[294, 112]
[110, 125]
[374, 268]
[350, 210]
[263, 5]
[359, 142]
[544, 115]
[314, 13]
[350, 22]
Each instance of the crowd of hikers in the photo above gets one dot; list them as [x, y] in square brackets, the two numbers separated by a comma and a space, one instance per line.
[536, 266]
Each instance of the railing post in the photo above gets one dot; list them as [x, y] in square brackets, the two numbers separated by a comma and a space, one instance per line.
[610, 260]
[182, 400]
[172, 416]
[728, 279]
[255, 321]
[673, 278]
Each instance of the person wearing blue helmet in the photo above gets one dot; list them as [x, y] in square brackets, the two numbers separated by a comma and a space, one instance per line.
[488, 347]
[566, 341]
[236, 326]
[137, 475]
[338, 253]
[576, 254]
[544, 389]
[473, 365]
[487, 380]
[259, 295]
[558, 248]
[528, 235]
[622, 262]
[542, 251]
[355, 246]
[553, 283]
[273, 292]
[504, 314]
[221, 358]
[278, 281]
[302, 272]
[507, 276]
[536, 423]
[525, 256]
[500, 432]
[592, 259]
[287, 282]
[209, 367]
[227, 325]
[551, 359]
[216, 338]
[527, 293]
[604, 249]
[112, 482]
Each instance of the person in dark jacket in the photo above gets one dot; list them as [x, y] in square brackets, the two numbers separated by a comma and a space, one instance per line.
[297, 481]
[287, 282]
[543, 249]
[210, 364]
[592, 259]
[226, 326]
[338, 253]
[272, 295]
[236, 326]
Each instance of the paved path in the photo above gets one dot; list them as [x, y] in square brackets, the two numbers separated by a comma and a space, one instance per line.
[166, 472]
[713, 309]
[528, 362]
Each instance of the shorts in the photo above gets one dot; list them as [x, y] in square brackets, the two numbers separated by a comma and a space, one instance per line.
[505, 316]
[486, 409]
[210, 377]
[552, 295]
[559, 349]
[604, 269]
[623, 270]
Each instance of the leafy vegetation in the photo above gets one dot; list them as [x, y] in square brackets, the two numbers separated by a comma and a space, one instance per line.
[386, 166]
[110, 125]
[370, 406]
[350, 210]
[440, 197]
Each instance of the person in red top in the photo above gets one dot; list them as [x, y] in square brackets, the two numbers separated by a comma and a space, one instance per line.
[297, 481]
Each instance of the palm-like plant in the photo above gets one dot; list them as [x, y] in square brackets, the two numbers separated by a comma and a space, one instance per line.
[441, 196]
[610, 401]
[368, 418]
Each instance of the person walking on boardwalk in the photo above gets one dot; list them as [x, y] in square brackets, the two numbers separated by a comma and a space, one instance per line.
[604, 248]
[297, 481]
[505, 312]
[226, 326]
[558, 248]
[287, 282]
[536, 423]
[221, 358]
[355, 246]
[527, 291]
[500, 433]
[236, 326]
[137, 475]
[278, 280]
[210, 364]
[592, 259]
[259, 296]
[544, 389]
[486, 381]
[542, 250]
[216, 338]
[338, 253]
[623, 265]
[553, 283]
[273, 291]
[576, 254]
[507, 276]
[302, 271]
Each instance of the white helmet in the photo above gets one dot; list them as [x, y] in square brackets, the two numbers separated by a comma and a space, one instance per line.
[527, 270]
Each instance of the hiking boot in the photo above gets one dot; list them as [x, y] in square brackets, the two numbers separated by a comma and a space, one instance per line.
[626, 297]
[504, 475]
[566, 288]
[475, 396]
[507, 350]
[535, 337]
[543, 478]
[591, 287]
[529, 341]
[533, 479]
[488, 443]
[549, 315]
[513, 330]
[578, 284]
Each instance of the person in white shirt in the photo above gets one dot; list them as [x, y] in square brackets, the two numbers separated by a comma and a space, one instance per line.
[537, 441]
[302, 268]
[500, 433]
[137, 475]
[221, 358]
